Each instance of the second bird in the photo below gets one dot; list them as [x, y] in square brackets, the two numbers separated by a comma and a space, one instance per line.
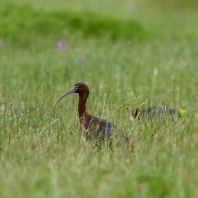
[159, 111]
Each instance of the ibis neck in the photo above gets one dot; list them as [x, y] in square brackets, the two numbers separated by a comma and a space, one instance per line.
[82, 111]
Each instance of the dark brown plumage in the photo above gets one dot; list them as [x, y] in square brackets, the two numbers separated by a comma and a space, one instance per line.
[93, 128]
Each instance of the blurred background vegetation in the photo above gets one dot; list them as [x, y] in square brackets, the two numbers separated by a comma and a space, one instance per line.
[131, 53]
[22, 19]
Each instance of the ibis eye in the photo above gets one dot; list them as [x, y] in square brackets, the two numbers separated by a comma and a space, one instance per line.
[76, 87]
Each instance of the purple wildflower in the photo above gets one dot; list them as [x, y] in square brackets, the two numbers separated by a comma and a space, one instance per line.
[81, 60]
[62, 44]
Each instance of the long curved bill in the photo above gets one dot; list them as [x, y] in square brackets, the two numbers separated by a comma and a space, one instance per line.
[72, 90]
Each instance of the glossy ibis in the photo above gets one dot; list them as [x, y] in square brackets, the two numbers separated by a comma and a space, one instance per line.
[93, 129]
[157, 112]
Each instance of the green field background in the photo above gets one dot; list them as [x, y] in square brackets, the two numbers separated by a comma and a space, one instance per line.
[131, 53]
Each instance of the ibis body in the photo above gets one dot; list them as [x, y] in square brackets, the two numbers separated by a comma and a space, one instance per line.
[93, 129]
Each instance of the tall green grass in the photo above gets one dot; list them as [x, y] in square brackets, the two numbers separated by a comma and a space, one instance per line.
[41, 150]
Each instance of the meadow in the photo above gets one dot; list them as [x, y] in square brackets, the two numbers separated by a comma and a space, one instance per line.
[131, 54]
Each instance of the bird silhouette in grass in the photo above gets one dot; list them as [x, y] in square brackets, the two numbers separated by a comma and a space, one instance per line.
[160, 112]
[94, 129]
